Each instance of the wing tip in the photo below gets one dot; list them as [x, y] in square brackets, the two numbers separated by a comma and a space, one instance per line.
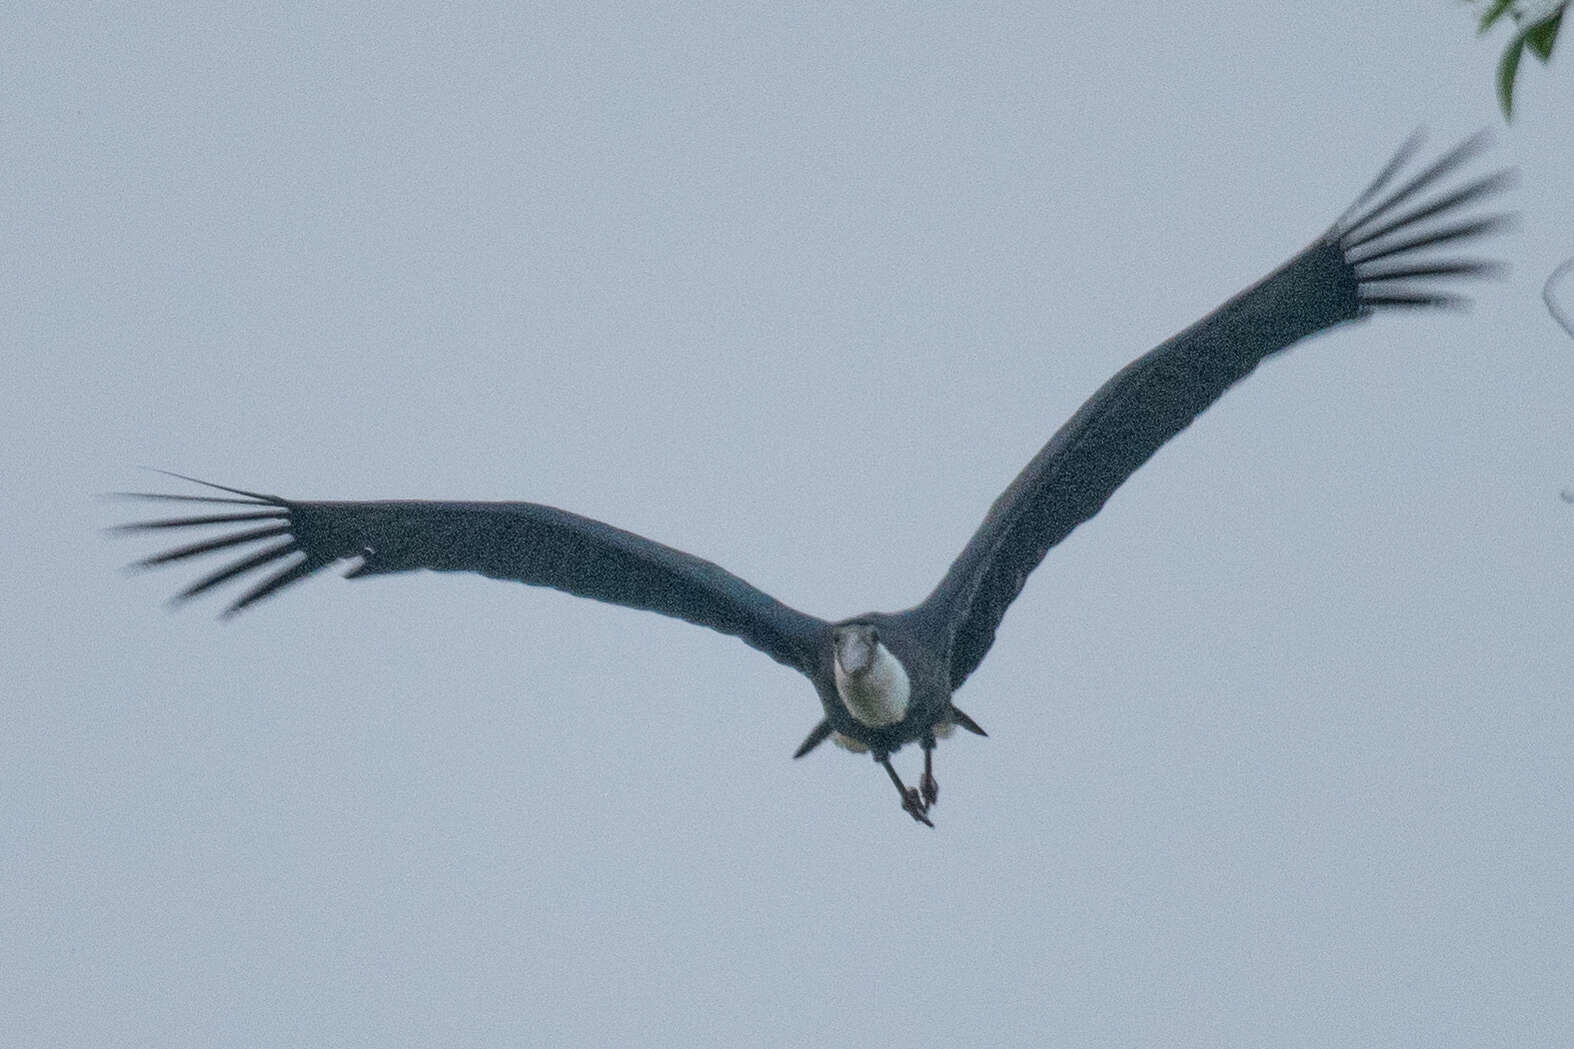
[217, 487]
[1394, 260]
[270, 517]
[279, 580]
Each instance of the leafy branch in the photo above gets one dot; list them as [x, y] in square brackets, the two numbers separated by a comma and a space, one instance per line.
[1536, 30]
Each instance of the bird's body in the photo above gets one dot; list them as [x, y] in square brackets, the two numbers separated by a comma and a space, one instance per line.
[871, 683]
[887, 679]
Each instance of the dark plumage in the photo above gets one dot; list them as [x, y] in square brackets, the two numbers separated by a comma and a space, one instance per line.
[1377, 256]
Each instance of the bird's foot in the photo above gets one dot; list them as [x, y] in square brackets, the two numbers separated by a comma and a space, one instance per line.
[915, 806]
[912, 801]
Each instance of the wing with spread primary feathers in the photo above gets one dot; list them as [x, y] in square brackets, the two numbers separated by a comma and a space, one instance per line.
[524, 542]
[1371, 259]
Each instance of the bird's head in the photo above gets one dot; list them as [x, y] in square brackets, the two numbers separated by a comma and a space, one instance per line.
[870, 679]
[855, 647]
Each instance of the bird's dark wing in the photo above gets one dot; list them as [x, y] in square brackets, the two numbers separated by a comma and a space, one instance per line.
[525, 542]
[1377, 255]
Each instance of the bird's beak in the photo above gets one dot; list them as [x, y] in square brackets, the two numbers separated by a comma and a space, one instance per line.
[854, 652]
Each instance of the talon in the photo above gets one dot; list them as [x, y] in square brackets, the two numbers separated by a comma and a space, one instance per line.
[912, 802]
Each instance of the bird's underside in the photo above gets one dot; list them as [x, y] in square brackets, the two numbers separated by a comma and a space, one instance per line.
[885, 680]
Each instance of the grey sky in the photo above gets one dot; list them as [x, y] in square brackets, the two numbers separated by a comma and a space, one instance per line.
[1281, 742]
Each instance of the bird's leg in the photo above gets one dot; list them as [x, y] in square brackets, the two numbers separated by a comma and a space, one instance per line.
[911, 802]
[930, 788]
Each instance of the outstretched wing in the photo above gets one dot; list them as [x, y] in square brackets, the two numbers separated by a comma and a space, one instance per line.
[525, 542]
[1370, 259]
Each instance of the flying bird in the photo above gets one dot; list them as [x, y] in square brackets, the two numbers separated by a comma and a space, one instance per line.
[887, 679]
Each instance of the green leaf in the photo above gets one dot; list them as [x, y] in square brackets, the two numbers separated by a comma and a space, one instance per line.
[1541, 35]
[1498, 9]
[1506, 70]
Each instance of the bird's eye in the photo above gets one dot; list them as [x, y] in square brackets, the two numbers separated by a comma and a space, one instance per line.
[874, 636]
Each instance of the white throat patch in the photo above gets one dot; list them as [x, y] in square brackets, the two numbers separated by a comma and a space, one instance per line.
[877, 695]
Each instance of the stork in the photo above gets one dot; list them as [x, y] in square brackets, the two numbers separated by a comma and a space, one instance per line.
[886, 679]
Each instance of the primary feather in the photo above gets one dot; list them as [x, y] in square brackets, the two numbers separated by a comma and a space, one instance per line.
[1357, 267]
[524, 542]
